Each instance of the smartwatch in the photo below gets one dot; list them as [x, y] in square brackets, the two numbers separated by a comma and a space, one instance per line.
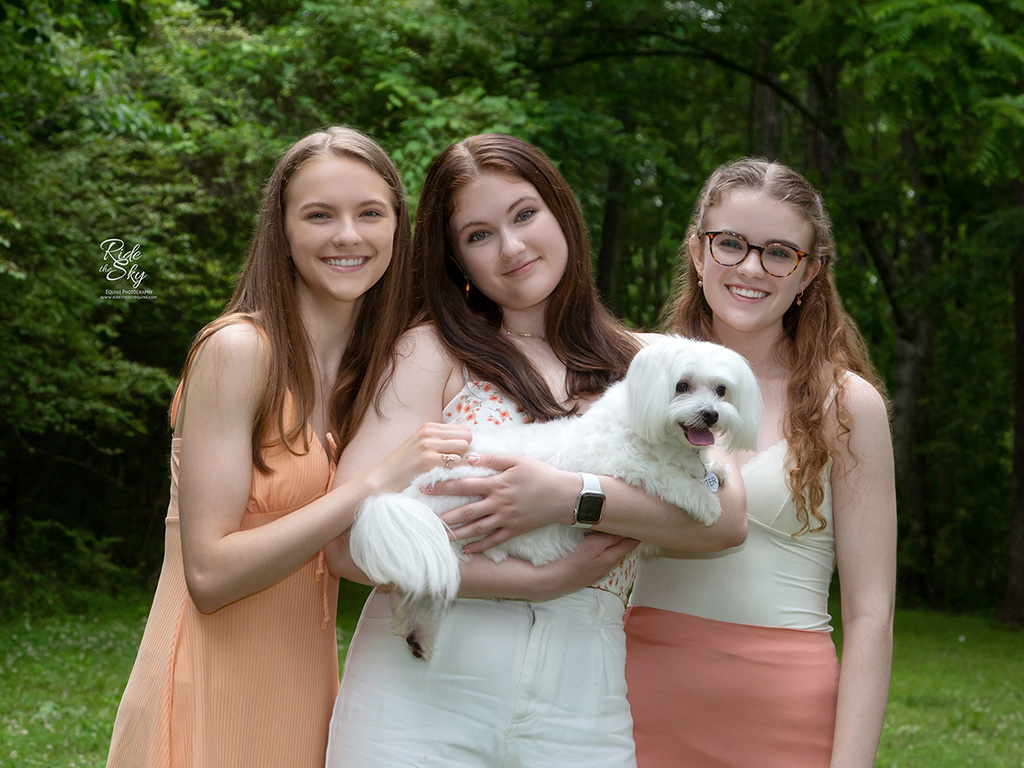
[590, 504]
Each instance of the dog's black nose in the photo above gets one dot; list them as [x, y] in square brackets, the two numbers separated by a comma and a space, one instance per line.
[710, 416]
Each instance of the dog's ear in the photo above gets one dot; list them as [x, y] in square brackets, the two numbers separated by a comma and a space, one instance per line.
[745, 396]
[649, 386]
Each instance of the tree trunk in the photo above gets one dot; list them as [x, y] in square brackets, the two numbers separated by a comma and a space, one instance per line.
[763, 112]
[611, 228]
[769, 122]
[914, 334]
[909, 430]
[1013, 609]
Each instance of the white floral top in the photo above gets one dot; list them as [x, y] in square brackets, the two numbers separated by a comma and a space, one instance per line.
[480, 402]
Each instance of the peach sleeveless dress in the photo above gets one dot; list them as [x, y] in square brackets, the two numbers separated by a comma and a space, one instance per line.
[253, 683]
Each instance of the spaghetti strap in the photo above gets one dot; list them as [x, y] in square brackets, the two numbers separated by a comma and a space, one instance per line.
[174, 403]
[834, 391]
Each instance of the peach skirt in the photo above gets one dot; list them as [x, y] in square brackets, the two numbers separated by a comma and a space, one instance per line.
[714, 694]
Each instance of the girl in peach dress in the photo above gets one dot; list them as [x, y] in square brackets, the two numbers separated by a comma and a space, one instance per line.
[238, 662]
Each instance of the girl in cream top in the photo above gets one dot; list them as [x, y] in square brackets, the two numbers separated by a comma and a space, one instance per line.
[773, 579]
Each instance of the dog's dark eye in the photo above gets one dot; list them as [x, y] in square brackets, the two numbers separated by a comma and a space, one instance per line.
[720, 391]
[683, 387]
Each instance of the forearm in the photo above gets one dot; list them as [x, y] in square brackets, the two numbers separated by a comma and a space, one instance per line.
[513, 579]
[631, 512]
[340, 563]
[863, 691]
[590, 560]
[479, 576]
[526, 494]
[246, 561]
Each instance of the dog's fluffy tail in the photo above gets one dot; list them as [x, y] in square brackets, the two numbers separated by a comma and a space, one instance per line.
[400, 541]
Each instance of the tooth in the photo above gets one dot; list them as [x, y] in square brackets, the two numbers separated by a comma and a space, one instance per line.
[749, 293]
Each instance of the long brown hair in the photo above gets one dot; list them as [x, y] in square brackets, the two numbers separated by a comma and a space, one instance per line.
[593, 345]
[820, 340]
[265, 297]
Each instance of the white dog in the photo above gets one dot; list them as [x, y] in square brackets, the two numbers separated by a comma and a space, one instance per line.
[651, 429]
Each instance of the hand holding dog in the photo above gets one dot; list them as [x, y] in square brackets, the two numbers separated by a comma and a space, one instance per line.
[591, 560]
[525, 494]
[428, 447]
[588, 562]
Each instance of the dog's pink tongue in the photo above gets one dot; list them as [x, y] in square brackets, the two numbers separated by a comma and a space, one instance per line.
[699, 436]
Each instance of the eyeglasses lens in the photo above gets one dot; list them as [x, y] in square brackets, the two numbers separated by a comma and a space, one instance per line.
[776, 259]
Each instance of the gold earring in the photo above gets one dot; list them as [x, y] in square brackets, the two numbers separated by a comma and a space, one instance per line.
[700, 280]
[467, 289]
[799, 296]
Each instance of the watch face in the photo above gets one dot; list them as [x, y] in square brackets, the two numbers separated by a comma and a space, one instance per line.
[589, 508]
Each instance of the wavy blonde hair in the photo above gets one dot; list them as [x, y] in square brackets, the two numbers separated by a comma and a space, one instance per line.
[820, 341]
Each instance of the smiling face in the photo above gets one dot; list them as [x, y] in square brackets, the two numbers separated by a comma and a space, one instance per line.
[744, 298]
[688, 392]
[340, 223]
[509, 244]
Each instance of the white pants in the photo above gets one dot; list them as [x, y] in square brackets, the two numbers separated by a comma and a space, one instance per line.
[512, 683]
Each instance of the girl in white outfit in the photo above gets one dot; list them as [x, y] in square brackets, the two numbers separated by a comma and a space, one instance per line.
[517, 332]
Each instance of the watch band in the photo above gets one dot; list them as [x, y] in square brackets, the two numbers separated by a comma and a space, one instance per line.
[591, 484]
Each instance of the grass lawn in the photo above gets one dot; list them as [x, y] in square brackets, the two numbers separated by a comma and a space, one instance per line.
[957, 694]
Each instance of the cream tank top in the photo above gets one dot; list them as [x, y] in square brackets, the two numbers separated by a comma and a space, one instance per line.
[773, 579]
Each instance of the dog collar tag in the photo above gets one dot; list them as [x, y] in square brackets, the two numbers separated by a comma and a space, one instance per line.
[711, 481]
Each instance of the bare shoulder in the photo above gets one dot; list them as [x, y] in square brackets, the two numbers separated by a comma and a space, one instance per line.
[869, 439]
[862, 400]
[237, 347]
[421, 347]
[420, 336]
[229, 371]
[645, 338]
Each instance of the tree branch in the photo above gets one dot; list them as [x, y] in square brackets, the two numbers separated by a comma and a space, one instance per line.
[693, 50]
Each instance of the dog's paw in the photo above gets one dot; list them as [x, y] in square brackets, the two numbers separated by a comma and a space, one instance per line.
[704, 507]
[418, 646]
[496, 554]
[721, 470]
[417, 638]
[418, 622]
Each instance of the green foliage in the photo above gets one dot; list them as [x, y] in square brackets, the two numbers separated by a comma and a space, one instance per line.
[56, 569]
[156, 122]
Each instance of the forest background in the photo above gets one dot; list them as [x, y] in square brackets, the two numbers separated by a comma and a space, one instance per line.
[156, 122]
